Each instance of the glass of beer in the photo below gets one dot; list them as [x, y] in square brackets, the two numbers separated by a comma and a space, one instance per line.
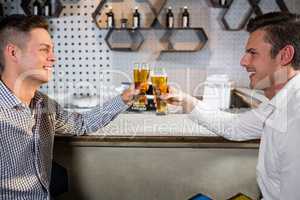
[140, 78]
[159, 81]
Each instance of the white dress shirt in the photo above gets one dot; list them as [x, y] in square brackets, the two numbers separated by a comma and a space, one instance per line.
[277, 124]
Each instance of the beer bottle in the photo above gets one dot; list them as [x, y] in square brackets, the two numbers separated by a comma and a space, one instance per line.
[170, 18]
[110, 18]
[136, 18]
[185, 17]
[37, 8]
[48, 8]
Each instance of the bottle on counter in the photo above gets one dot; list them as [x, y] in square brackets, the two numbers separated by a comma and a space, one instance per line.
[185, 17]
[110, 18]
[48, 8]
[37, 8]
[136, 18]
[170, 18]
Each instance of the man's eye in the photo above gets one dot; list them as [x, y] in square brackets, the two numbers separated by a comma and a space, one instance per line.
[45, 50]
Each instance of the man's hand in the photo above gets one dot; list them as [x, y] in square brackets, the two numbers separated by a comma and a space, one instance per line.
[179, 98]
[129, 94]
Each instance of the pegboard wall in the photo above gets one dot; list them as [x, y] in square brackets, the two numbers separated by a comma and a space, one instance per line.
[86, 67]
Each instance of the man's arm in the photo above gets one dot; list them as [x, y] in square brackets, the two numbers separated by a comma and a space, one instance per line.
[80, 123]
[239, 127]
[245, 126]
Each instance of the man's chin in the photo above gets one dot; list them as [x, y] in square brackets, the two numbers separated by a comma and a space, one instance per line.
[43, 80]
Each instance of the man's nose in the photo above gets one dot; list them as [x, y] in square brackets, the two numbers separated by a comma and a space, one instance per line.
[244, 61]
[52, 57]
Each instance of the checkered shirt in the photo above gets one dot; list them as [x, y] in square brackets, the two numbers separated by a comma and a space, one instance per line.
[27, 136]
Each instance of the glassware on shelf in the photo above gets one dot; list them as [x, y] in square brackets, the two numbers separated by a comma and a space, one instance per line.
[170, 18]
[185, 18]
[110, 18]
[136, 18]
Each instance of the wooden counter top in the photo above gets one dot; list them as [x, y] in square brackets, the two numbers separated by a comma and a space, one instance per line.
[154, 141]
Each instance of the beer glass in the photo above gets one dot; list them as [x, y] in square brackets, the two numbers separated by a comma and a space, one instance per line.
[159, 81]
[140, 78]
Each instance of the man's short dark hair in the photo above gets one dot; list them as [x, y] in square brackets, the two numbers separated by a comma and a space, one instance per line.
[15, 28]
[281, 29]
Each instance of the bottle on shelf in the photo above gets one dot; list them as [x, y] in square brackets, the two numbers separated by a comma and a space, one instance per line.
[223, 3]
[1, 10]
[185, 17]
[37, 8]
[110, 18]
[48, 8]
[170, 18]
[123, 23]
[136, 18]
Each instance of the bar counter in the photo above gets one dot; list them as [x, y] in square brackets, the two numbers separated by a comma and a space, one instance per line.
[150, 130]
[145, 156]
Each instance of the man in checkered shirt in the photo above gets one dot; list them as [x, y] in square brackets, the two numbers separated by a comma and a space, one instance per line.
[28, 118]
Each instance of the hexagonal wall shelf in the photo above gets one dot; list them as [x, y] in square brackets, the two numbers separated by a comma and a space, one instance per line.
[27, 7]
[124, 39]
[120, 10]
[184, 40]
[233, 23]
[281, 4]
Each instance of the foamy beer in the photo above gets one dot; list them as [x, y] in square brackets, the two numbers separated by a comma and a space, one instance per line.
[140, 78]
[159, 81]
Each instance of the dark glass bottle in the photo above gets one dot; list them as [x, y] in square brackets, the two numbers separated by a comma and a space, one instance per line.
[1, 10]
[185, 18]
[110, 18]
[223, 3]
[136, 18]
[48, 8]
[37, 8]
[170, 18]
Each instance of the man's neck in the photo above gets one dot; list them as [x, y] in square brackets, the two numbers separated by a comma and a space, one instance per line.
[24, 90]
[271, 91]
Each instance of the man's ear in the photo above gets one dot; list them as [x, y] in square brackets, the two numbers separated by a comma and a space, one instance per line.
[11, 51]
[286, 55]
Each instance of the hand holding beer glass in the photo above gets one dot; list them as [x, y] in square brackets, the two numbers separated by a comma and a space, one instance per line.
[159, 81]
[140, 78]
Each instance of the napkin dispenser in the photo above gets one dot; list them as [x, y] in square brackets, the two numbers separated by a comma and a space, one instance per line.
[217, 91]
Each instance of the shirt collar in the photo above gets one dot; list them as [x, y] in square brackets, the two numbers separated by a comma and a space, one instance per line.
[283, 96]
[9, 100]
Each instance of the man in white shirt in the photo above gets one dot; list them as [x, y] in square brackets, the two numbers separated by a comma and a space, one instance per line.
[272, 57]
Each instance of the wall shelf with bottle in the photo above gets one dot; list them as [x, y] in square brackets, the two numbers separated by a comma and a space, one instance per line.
[146, 17]
[110, 14]
[171, 40]
[46, 8]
